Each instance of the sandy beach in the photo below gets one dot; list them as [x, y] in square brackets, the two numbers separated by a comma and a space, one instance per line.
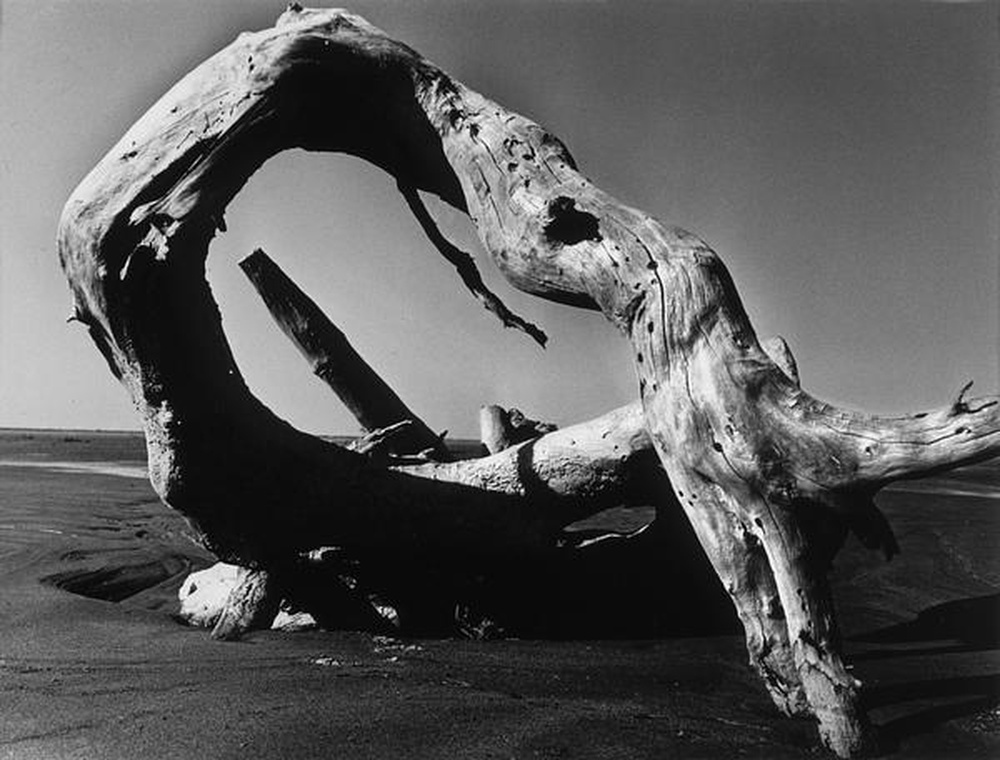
[93, 665]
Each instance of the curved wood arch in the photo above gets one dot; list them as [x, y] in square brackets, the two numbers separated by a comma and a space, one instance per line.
[770, 477]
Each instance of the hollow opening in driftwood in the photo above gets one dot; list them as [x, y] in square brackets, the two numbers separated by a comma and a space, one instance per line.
[603, 591]
[320, 240]
[749, 453]
[322, 249]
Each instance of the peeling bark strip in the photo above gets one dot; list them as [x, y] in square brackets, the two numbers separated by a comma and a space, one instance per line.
[770, 477]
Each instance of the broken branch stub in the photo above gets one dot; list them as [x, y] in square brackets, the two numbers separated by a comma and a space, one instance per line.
[501, 428]
[752, 458]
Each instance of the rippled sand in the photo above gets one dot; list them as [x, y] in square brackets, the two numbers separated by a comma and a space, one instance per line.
[105, 672]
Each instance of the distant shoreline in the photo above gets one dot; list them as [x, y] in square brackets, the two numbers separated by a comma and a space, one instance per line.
[464, 446]
[62, 431]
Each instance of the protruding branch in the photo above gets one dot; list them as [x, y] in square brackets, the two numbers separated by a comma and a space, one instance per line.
[466, 268]
[374, 443]
[958, 406]
[896, 448]
[334, 361]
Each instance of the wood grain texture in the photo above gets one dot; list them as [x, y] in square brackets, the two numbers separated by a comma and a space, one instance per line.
[770, 477]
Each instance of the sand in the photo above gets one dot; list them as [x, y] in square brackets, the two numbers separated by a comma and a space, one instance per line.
[118, 677]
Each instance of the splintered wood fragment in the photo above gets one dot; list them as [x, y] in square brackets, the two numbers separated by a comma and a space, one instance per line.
[373, 403]
[377, 441]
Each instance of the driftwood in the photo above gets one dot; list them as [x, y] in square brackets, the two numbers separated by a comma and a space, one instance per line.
[770, 478]
[501, 428]
[333, 360]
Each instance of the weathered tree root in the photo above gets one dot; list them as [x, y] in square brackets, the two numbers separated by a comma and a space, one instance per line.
[770, 478]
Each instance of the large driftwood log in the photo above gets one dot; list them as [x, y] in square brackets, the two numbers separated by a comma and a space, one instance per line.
[770, 477]
[334, 361]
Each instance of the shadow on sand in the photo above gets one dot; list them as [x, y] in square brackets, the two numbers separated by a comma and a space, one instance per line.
[973, 697]
[914, 707]
[964, 625]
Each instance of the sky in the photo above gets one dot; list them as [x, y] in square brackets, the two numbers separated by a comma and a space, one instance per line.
[842, 158]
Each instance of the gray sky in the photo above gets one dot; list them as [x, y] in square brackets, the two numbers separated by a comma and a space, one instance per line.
[840, 157]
